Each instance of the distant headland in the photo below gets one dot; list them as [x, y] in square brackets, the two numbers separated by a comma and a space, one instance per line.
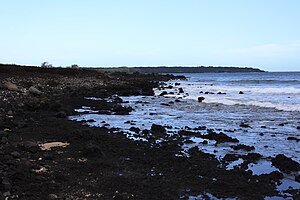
[179, 69]
[159, 69]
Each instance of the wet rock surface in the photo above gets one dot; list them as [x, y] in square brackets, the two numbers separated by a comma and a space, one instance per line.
[243, 147]
[200, 99]
[219, 137]
[158, 130]
[285, 164]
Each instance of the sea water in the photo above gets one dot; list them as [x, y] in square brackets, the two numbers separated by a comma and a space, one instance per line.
[279, 90]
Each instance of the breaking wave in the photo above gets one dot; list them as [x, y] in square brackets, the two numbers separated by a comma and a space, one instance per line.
[270, 81]
[278, 106]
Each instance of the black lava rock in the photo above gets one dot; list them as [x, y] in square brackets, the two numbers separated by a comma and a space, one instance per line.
[285, 164]
[158, 129]
[181, 90]
[243, 147]
[200, 99]
[163, 93]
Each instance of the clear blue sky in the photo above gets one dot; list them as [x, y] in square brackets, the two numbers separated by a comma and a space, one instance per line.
[260, 33]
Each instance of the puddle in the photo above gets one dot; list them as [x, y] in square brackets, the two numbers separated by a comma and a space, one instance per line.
[49, 145]
[262, 167]
[233, 164]
[288, 183]
[208, 196]
[278, 198]
[265, 167]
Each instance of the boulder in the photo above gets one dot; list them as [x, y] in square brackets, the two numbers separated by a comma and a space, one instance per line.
[218, 137]
[285, 164]
[241, 92]
[187, 133]
[293, 138]
[244, 125]
[121, 110]
[231, 157]
[117, 99]
[33, 90]
[243, 147]
[158, 129]
[180, 90]
[10, 86]
[252, 157]
[200, 99]
[163, 93]
[221, 93]
[91, 120]
[135, 129]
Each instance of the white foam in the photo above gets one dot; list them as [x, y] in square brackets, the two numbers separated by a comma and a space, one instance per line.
[260, 90]
[285, 98]
[262, 167]
[278, 106]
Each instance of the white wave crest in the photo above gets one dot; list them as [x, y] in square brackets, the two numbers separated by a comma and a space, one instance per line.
[278, 106]
[266, 90]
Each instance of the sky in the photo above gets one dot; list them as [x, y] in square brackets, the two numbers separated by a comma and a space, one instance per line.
[259, 33]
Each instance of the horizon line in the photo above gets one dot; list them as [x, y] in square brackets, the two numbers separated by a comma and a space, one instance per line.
[153, 66]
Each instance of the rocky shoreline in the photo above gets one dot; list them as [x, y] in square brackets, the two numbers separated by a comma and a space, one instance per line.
[44, 155]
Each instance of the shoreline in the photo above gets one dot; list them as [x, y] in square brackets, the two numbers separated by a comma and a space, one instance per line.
[96, 163]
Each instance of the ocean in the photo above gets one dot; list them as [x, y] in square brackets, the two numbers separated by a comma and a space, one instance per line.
[279, 90]
[259, 109]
